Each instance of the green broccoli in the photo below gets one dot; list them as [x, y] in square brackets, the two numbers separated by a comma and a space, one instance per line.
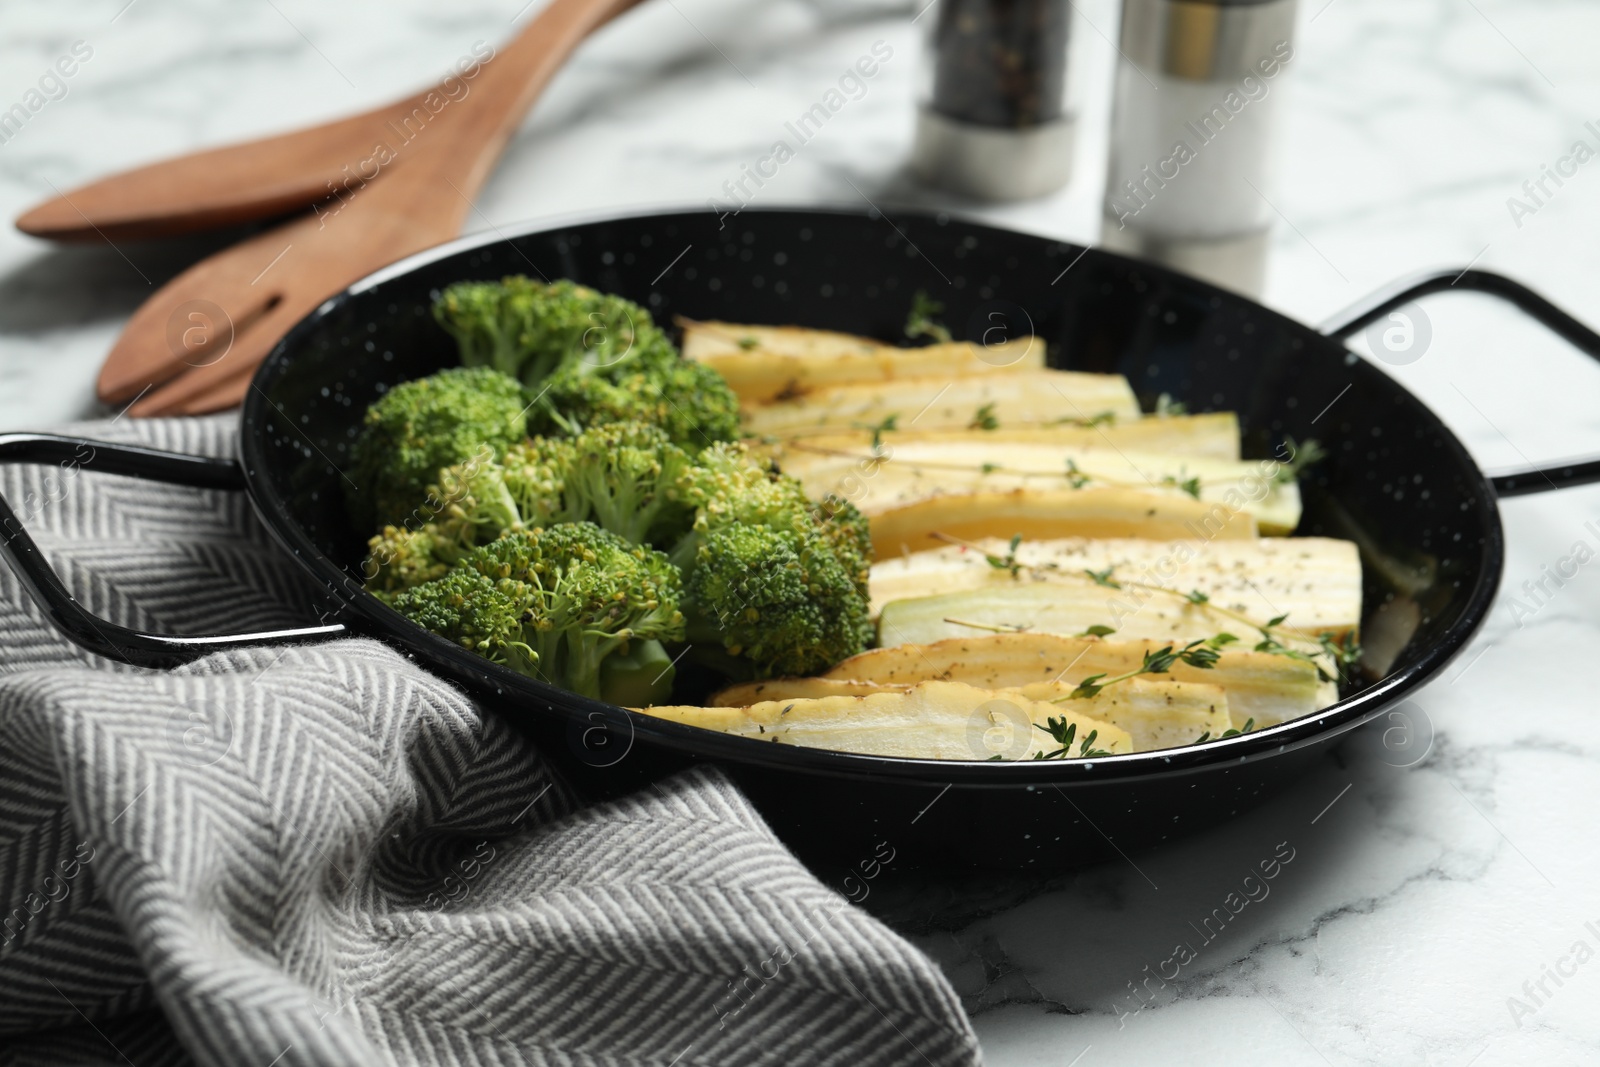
[626, 478]
[778, 580]
[484, 616]
[690, 401]
[420, 427]
[471, 504]
[843, 525]
[400, 557]
[623, 478]
[780, 604]
[572, 604]
[588, 358]
[529, 329]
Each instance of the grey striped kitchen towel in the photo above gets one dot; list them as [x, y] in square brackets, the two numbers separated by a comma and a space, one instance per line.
[324, 855]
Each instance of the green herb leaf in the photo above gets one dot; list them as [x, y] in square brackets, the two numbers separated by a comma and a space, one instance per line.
[1098, 631]
[1063, 733]
[1105, 418]
[1087, 689]
[1075, 477]
[1007, 562]
[747, 343]
[890, 422]
[985, 419]
[922, 321]
[1188, 485]
[1103, 578]
[1249, 724]
[1300, 457]
[1166, 406]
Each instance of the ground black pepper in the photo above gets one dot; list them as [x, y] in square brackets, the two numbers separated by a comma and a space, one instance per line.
[1000, 62]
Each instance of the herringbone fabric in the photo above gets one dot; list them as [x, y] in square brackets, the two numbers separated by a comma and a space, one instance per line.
[323, 855]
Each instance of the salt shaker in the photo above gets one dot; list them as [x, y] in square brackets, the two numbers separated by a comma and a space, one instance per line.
[1197, 88]
[993, 121]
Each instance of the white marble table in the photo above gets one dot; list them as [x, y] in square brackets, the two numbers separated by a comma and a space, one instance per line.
[1420, 898]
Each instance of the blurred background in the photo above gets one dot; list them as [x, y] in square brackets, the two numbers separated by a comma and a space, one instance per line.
[1401, 132]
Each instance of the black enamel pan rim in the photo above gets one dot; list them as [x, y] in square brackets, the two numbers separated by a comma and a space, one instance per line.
[483, 677]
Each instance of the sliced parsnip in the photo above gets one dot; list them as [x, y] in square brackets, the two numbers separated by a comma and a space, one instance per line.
[1316, 581]
[942, 403]
[1156, 714]
[901, 525]
[1214, 436]
[1066, 608]
[929, 720]
[745, 694]
[1267, 688]
[709, 339]
[919, 469]
[764, 363]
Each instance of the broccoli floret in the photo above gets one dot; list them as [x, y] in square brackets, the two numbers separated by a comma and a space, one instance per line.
[842, 523]
[690, 401]
[626, 478]
[422, 426]
[588, 358]
[771, 598]
[529, 329]
[777, 579]
[472, 504]
[623, 478]
[559, 604]
[478, 613]
[400, 558]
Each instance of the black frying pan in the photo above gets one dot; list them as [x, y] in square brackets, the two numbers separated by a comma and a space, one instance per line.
[1396, 480]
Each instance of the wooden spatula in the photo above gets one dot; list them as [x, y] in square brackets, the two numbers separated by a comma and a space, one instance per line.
[192, 347]
[227, 186]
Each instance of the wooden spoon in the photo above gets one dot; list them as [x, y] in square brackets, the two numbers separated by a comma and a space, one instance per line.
[193, 346]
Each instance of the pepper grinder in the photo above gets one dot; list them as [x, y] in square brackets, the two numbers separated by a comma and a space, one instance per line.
[1197, 90]
[993, 122]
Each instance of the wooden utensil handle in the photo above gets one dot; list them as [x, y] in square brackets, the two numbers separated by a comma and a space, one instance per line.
[261, 178]
[469, 143]
[439, 165]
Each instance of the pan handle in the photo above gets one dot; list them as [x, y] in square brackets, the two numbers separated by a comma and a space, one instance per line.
[98, 635]
[1398, 294]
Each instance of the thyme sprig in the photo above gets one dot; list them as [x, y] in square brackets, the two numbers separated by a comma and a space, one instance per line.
[1103, 577]
[993, 627]
[1188, 485]
[1064, 733]
[1007, 562]
[1249, 724]
[923, 321]
[888, 423]
[1300, 457]
[1105, 418]
[1201, 654]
